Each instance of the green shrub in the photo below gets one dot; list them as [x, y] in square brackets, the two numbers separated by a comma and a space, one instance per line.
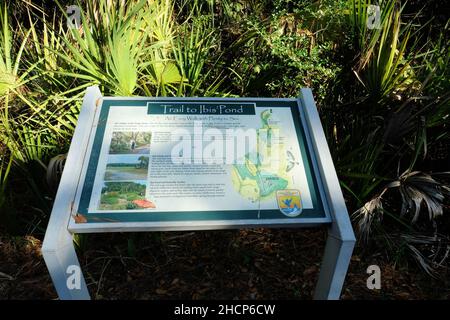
[133, 196]
[131, 206]
[108, 199]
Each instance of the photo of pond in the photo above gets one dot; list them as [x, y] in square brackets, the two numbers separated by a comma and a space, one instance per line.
[126, 167]
[134, 142]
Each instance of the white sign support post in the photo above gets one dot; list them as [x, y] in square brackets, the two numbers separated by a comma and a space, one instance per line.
[58, 247]
[341, 239]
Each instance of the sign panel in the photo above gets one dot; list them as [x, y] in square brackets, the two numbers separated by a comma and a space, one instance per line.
[147, 164]
[186, 159]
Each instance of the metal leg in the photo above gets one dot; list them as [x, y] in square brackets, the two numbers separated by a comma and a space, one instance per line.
[341, 239]
[334, 268]
[64, 268]
[57, 249]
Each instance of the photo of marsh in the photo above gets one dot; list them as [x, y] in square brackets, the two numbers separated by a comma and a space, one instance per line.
[133, 142]
[122, 195]
[126, 168]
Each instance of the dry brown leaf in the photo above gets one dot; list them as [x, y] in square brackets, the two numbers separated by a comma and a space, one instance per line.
[79, 218]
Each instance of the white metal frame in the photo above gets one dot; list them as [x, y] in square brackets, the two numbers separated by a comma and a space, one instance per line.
[341, 239]
[101, 227]
[58, 249]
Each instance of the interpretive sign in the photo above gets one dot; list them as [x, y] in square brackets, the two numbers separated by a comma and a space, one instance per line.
[220, 162]
[143, 164]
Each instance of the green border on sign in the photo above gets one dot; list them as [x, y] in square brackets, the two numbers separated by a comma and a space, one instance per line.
[316, 212]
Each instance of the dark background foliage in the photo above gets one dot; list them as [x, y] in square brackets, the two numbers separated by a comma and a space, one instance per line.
[387, 122]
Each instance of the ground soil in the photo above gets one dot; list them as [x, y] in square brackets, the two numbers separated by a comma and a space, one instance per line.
[236, 264]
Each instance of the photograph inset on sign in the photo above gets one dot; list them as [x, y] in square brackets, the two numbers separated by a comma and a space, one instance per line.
[126, 168]
[124, 196]
[132, 142]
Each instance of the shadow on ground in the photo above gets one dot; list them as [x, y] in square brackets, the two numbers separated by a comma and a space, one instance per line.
[232, 264]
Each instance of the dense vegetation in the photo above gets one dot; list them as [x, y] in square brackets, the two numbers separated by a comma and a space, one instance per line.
[120, 195]
[382, 92]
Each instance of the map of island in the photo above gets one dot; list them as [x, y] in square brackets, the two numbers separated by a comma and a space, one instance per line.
[266, 170]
